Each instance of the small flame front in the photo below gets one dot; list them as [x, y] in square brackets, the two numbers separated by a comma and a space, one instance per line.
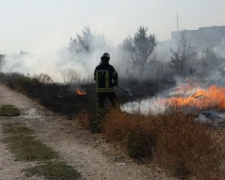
[213, 97]
[80, 92]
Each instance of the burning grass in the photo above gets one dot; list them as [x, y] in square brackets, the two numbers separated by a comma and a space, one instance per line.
[176, 141]
[59, 98]
[212, 97]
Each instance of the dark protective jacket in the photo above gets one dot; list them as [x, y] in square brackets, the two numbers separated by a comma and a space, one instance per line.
[106, 77]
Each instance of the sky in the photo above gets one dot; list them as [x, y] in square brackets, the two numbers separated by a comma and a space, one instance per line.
[47, 25]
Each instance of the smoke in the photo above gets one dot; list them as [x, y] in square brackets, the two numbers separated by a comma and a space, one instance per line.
[162, 51]
[68, 65]
[72, 63]
[220, 48]
[157, 105]
[32, 64]
[61, 65]
[153, 106]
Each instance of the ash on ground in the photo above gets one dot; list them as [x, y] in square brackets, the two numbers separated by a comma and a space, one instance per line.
[215, 118]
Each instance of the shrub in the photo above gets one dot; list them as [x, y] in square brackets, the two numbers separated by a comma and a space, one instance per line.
[176, 141]
[133, 130]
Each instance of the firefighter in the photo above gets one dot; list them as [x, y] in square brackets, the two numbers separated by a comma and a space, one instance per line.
[106, 78]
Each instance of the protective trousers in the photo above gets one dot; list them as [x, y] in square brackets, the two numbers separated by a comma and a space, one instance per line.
[101, 97]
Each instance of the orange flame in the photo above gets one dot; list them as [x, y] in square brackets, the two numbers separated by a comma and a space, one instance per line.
[213, 97]
[80, 92]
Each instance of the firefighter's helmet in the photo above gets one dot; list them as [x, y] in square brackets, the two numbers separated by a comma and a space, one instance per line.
[106, 55]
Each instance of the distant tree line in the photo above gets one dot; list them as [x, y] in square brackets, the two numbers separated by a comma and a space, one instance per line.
[137, 54]
[137, 58]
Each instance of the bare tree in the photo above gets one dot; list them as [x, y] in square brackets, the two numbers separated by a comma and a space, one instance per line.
[87, 42]
[209, 54]
[209, 60]
[181, 55]
[140, 48]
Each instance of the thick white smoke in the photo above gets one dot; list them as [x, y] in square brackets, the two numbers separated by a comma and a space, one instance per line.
[57, 64]
[32, 64]
[145, 106]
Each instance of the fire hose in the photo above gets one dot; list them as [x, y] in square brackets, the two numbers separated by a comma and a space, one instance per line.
[127, 91]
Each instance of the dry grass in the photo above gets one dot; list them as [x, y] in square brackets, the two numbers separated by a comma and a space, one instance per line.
[133, 131]
[176, 141]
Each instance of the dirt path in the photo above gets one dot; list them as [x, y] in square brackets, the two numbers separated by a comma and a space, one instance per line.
[94, 158]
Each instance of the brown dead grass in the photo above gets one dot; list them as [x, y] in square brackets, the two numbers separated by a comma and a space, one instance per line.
[176, 141]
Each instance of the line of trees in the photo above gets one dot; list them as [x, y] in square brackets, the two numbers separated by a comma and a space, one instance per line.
[137, 52]
[136, 57]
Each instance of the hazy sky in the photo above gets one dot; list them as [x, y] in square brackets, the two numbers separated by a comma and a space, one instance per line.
[47, 25]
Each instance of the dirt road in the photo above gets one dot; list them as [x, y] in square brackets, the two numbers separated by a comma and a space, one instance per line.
[90, 154]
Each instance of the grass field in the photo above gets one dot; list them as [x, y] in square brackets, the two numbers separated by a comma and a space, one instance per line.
[23, 144]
